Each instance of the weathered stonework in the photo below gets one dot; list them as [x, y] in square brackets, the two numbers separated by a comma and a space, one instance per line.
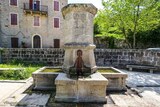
[104, 57]
[122, 57]
[71, 54]
[25, 30]
[44, 80]
[51, 56]
[79, 8]
[78, 25]
[79, 35]
[116, 81]
[91, 89]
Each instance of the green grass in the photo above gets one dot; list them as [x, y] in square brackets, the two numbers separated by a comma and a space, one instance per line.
[107, 71]
[17, 74]
[55, 70]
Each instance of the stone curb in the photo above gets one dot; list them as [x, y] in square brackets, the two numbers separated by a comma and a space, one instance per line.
[16, 81]
[19, 90]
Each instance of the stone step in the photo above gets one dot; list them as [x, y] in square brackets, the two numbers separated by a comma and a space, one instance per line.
[130, 101]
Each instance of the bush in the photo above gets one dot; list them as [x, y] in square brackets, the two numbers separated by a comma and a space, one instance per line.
[18, 74]
[15, 74]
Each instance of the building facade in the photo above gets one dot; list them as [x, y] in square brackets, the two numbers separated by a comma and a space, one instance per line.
[31, 23]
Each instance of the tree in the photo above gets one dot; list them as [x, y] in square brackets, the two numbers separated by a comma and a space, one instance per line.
[127, 17]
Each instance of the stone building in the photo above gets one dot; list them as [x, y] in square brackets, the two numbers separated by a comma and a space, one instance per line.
[31, 23]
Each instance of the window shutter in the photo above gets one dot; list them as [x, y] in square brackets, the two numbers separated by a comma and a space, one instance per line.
[56, 5]
[36, 21]
[56, 43]
[13, 2]
[30, 4]
[13, 19]
[56, 22]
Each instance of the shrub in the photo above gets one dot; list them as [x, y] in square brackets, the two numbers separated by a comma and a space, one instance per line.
[15, 74]
[18, 74]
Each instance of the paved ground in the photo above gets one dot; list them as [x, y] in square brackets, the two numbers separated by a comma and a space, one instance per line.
[147, 94]
[7, 89]
[143, 80]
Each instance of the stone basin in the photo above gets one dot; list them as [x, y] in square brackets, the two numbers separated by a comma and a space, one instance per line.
[116, 79]
[46, 80]
[91, 89]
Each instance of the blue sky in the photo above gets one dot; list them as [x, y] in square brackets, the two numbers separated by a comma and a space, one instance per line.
[97, 3]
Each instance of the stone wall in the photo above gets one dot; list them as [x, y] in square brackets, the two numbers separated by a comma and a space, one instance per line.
[104, 57]
[119, 57]
[50, 56]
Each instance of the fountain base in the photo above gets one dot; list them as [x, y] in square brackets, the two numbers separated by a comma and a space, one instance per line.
[90, 89]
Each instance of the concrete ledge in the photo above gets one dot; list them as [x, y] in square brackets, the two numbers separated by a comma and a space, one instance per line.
[116, 81]
[147, 67]
[44, 80]
[92, 89]
[16, 81]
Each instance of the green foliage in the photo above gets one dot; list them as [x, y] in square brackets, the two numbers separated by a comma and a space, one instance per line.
[149, 39]
[124, 19]
[18, 74]
[14, 74]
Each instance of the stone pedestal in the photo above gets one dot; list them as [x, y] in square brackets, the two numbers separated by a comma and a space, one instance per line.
[78, 30]
[91, 89]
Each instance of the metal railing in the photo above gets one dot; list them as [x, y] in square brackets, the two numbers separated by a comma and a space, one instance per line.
[35, 7]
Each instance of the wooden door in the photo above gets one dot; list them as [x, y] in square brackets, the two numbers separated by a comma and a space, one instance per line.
[36, 42]
[56, 43]
[14, 42]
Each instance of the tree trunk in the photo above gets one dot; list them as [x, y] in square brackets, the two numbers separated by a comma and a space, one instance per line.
[125, 35]
[136, 18]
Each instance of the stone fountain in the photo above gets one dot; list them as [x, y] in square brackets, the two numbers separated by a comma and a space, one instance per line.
[80, 82]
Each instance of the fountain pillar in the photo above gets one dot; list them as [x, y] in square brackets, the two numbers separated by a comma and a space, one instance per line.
[79, 35]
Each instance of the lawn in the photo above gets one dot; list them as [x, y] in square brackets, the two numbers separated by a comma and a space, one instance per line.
[17, 74]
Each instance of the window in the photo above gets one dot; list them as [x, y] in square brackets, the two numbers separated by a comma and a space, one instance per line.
[56, 22]
[14, 42]
[13, 2]
[56, 43]
[13, 19]
[36, 5]
[56, 6]
[36, 21]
